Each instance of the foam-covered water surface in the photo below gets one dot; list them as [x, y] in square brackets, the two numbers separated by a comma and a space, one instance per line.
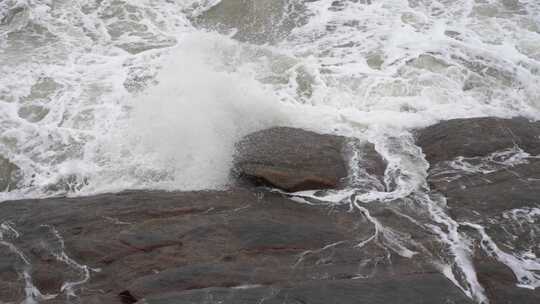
[101, 93]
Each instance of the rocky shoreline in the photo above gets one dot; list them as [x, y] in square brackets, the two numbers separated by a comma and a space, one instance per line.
[252, 244]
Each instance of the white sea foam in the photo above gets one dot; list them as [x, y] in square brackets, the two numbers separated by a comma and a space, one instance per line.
[99, 91]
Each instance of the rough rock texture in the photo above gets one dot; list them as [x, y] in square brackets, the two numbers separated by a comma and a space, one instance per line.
[294, 159]
[421, 288]
[250, 245]
[499, 283]
[490, 190]
[485, 185]
[238, 245]
[477, 137]
[486, 195]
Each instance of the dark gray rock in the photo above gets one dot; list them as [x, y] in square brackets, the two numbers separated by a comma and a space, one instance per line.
[190, 277]
[148, 244]
[292, 159]
[490, 191]
[247, 244]
[490, 194]
[419, 288]
[499, 282]
[11, 292]
[486, 195]
[295, 159]
[489, 200]
[260, 235]
[477, 137]
[147, 240]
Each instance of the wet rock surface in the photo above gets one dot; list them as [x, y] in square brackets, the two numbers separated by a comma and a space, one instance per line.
[477, 137]
[254, 20]
[488, 170]
[250, 244]
[294, 159]
[239, 246]
[429, 288]
[484, 167]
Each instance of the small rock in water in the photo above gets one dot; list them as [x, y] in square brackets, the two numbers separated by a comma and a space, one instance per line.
[254, 21]
[8, 174]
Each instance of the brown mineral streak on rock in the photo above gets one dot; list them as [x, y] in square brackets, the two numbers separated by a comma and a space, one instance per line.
[280, 177]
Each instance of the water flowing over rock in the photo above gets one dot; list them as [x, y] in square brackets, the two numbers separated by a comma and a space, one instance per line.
[485, 165]
[237, 245]
[249, 244]
[488, 169]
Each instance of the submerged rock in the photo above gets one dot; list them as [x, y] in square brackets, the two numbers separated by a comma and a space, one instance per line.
[8, 174]
[294, 159]
[254, 20]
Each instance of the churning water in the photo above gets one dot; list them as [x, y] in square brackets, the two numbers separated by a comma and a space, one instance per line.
[104, 95]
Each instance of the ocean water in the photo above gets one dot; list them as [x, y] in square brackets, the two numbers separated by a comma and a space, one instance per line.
[106, 95]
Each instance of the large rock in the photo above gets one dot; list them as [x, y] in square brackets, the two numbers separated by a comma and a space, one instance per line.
[249, 245]
[477, 137]
[178, 246]
[294, 159]
[416, 288]
[478, 165]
